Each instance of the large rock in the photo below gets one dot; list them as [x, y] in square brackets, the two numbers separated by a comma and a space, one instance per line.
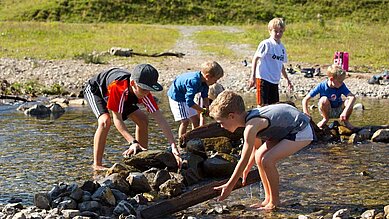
[152, 158]
[220, 165]
[138, 183]
[382, 135]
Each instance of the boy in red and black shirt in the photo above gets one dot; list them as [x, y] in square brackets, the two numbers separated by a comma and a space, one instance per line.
[119, 91]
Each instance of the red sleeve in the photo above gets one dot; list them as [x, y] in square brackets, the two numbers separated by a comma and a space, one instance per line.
[150, 104]
[117, 95]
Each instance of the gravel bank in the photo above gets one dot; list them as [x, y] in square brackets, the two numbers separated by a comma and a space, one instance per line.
[72, 74]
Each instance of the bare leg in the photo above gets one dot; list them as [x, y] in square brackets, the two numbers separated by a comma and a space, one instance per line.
[183, 127]
[195, 121]
[142, 127]
[99, 141]
[348, 114]
[258, 158]
[324, 108]
[278, 152]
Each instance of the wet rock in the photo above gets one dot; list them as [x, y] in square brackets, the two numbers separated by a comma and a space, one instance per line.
[341, 214]
[359, 106]
[354, 138]
[160, 177]
[119, 196]
[140, 199]
[57, 191]
[196, 147]
[369, 214]
[191, 176]
[119, 168]
[116, 181]
[343, 130]
[381, 135]
[220, 165]
[67, 203]
[138, 182]
[364, 133]
[38, 110]
[194, 162]
[89, 206]
[42, 200]
[90, 186]
[76, 193]
[124, 208]
[56, 108]
[386, 210]
[152, 158]
[105, 195]
[171, 188]
[218, 144]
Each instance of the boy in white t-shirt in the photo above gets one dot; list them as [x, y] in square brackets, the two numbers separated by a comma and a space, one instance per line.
[268, 64]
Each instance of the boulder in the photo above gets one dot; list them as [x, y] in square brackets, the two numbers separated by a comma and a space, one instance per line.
[381, 135]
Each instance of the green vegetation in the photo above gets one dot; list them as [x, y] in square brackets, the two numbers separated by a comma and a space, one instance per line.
[191, 11]
[54, 40]
[311, 42]
[31, 88]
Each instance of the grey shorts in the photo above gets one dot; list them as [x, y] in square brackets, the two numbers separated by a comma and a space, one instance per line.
[304, 135]
[335, 112]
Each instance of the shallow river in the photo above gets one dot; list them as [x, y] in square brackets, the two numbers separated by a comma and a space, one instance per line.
[35, 154]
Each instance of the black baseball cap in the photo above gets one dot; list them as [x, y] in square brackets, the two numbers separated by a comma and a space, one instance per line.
[146, 77]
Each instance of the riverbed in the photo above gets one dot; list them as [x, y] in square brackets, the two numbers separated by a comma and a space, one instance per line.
[36, 153]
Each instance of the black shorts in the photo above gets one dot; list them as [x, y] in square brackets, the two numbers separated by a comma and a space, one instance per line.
[99, 104]
[267, 93]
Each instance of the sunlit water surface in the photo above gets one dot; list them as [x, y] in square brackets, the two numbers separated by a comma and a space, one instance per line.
[35, 154]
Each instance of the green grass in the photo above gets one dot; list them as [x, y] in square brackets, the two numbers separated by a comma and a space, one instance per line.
[313, 43]
[308, 42]
[237, 12]
[65, 41]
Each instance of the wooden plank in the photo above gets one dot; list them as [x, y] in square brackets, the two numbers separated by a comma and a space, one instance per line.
[191, 198]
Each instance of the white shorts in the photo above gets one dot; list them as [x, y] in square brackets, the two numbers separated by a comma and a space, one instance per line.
[181, 110]
[304, 135]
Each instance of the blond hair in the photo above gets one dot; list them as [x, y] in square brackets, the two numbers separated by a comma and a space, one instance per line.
[335, 71]
[276, 22]
[213, 69]
[226, 102]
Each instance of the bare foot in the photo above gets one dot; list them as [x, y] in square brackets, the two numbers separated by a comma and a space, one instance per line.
[99, 168]
[268, 207]
[259, 205]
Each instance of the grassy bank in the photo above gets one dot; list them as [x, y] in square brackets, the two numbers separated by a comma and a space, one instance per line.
[308, 42]
[313, 42]
[54, 40]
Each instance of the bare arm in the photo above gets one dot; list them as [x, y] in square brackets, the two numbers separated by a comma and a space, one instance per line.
[305, 104]
[285, 75]
[250, 132]
[254, 64]
[349, 103]
[167, 131]
[121, 127]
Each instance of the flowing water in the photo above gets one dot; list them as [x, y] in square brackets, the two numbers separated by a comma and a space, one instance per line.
[36, 153]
